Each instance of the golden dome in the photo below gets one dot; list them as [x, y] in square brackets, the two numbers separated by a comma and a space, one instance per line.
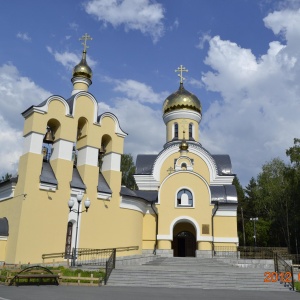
[82, 69]
[182, 99]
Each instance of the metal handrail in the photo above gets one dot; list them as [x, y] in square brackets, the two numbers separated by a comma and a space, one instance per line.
[110, 265]
[87, 251]
[282, 266]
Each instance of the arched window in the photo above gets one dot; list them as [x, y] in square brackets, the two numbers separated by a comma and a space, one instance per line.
[176, 131]
[184, 198]
[191, 131]
[183, 166]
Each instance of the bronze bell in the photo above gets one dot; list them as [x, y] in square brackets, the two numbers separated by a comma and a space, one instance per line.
[48, 138]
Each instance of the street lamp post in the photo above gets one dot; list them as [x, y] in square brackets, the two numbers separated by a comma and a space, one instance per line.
[254, 220]
[71, 203]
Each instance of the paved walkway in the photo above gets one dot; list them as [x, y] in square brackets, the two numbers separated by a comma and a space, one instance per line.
[138, 293]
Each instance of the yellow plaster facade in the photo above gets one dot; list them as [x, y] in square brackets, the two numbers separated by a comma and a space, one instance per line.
[185, 204]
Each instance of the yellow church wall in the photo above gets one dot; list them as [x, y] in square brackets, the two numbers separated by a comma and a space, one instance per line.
[111, 227]
[167, 209]
[164, 245]
[149, 231]
[117, 142]
[80, 86]
[37, 122]
[2, 249]
[204, 246]
[225, 226]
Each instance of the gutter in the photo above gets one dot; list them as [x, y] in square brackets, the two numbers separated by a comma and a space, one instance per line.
[212, 230]
[156, 217]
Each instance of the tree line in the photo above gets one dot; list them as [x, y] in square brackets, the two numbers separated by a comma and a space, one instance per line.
[274, 198]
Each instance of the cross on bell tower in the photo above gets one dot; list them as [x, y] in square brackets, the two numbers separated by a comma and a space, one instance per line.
[84, 38]
[181, 69]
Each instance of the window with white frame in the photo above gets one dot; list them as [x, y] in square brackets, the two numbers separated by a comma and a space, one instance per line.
[191, 131]
[184, 198]
[176, 131]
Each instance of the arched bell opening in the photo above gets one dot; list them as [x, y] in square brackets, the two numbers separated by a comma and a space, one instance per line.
[51, 135]
[184, 240]
[106, 147]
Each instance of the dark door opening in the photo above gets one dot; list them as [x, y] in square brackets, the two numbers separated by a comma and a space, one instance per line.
[184, 244]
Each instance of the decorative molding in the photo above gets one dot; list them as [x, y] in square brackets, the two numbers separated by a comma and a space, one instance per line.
[3, 238]
[48, 187]
[119, 132]
[182, 114]
[146, 182]
[7, 191]
[133, 204]
[104, 196]
[44, 109]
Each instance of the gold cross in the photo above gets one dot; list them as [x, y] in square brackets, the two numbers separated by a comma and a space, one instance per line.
[85, 38]
[181, 69]
[170, 170]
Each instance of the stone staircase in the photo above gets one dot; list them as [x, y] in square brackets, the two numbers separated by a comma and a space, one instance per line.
[192, 272]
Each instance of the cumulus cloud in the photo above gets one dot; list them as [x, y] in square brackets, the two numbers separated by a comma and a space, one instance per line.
[257, 116]
[24, 36]
[143, 15]
[138, 91]
[133, 104]
[69, 59]
[17, 93]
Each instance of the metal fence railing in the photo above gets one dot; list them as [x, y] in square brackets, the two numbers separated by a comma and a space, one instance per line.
[284, 271]
[248, 252]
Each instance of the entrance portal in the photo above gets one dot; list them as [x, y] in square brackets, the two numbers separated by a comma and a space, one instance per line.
[184, 244]
[184, 240]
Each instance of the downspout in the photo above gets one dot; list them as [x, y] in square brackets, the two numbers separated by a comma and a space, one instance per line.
[212, 230]
[156, 217]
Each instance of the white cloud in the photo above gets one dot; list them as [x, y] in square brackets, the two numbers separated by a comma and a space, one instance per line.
[257, 116]
[205, 37]
[143, 124]
[143, 15]
[17, 93]
[24, 36]
[69, 59]
[145, 132]
[74, 26]
[138, 91]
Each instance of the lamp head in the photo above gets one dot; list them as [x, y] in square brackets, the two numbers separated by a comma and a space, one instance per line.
[71, 203]
[79, 197]
[87, 203]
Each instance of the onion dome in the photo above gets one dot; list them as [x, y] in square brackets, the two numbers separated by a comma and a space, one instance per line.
[182, 99]
[183, 145]
[83, 69]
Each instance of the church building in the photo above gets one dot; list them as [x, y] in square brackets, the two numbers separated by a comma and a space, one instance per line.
[184, 204]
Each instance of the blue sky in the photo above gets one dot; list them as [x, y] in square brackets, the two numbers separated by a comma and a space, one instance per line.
[242, 56]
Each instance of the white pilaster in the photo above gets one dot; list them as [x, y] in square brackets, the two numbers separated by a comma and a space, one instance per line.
[111, 161]
[62, 149]
[87, 156]
[33, 143]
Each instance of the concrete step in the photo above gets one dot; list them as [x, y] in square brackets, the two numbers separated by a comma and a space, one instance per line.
[193, 273]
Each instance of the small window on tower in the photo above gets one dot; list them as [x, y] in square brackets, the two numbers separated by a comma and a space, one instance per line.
[190, 131]
[176, 131]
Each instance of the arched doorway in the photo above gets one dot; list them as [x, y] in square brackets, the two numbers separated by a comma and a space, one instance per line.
[184, 240]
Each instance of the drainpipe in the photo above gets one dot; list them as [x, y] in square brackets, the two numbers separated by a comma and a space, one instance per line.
[212, 229]
[156, 217]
